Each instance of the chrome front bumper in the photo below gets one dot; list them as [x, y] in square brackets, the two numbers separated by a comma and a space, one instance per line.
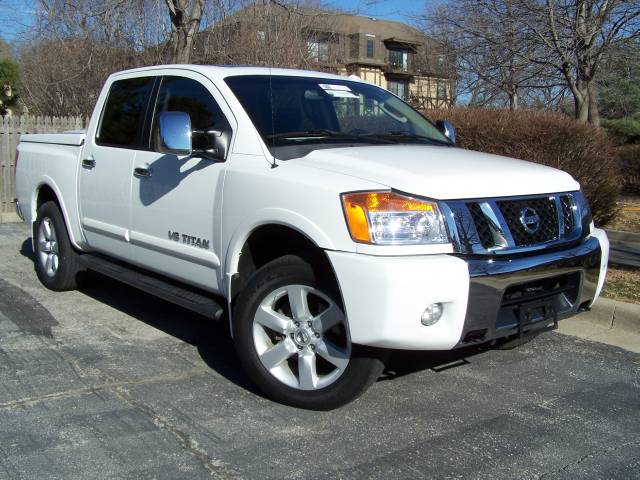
[516, 295]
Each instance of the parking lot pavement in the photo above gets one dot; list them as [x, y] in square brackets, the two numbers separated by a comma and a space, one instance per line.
[108, 382]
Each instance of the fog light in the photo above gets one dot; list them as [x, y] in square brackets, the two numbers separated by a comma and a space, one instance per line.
[431, 314]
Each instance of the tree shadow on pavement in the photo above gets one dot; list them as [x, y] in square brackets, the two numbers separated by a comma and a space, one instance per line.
[213, 340]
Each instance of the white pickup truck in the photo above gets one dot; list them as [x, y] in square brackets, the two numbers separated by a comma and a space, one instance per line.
[326, 217]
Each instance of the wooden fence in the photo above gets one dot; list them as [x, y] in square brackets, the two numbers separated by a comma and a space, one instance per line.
[10, 130]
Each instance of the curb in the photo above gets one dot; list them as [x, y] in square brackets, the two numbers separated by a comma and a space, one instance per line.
[621, 236]
[609, 321]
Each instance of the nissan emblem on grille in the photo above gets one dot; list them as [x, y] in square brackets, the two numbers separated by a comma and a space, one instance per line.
[530, 220]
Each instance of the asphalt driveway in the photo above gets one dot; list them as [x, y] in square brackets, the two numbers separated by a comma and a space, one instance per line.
[108, 382]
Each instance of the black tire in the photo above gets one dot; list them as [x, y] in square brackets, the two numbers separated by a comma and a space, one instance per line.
[63, 277]
[364, 366]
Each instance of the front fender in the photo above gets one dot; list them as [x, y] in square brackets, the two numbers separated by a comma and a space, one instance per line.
[271, 216]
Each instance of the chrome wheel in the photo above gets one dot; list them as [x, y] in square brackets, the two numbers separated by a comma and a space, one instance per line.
[48, 254]
[301, 337]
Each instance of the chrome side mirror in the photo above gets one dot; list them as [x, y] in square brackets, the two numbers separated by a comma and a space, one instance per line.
[447, 129]
[215, 143]
[175, 133]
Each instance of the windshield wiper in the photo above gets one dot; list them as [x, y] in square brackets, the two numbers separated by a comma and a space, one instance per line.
[325, 133]
[397, 136]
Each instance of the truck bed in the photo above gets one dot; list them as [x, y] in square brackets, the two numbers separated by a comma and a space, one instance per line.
[75, 138]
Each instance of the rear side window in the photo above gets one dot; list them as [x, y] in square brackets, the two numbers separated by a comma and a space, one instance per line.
[180, 94]
[124, 113]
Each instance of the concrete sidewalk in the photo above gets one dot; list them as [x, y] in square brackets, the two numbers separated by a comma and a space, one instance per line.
[609, 321]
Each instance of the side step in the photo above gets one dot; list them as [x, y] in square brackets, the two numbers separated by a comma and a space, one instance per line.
[155, 285]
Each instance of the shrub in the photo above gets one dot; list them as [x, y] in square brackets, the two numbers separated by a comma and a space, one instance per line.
[629, 156]
[623, 130]
[551, 139]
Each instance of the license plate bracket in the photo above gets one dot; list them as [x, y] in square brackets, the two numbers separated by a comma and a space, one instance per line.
[534, 312]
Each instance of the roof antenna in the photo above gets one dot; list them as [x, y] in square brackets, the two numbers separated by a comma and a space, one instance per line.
[273, 119]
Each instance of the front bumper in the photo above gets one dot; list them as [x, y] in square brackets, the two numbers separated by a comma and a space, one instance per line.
[483, 299]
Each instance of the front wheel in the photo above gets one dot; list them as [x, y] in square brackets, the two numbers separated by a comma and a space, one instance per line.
[292, 338]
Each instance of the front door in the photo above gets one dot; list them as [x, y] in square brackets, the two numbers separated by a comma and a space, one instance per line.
[107, 166]
[176, 200]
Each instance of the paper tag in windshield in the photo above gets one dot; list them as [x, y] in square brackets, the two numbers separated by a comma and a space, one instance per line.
[339, 91]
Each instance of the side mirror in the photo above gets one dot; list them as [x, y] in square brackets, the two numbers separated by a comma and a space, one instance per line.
[447, 129]
[214, 144]
[175, 133]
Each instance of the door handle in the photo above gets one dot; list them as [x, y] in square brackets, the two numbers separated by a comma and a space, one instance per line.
[142, 172]
[89, 162]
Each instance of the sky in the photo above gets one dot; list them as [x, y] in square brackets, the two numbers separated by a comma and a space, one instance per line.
[16, 15]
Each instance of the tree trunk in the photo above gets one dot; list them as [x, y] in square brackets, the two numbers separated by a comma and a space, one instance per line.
[513, 100]
[594, 113]
[184, 25]
[581, 100]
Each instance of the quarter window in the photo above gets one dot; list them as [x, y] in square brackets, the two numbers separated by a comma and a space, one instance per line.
[124, 113]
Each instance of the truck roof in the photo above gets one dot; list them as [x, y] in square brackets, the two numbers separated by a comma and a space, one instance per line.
[223, 71]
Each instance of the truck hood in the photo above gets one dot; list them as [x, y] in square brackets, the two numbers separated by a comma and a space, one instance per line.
[442, 172]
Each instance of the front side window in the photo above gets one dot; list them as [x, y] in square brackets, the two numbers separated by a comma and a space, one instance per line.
[124, 113]
[305, 110]
[179, 94]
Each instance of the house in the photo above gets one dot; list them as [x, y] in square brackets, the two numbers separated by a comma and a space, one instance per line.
[390, 54]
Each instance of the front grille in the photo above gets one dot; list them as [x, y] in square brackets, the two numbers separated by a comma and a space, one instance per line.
[503, 225]
[482, 225]
[567, 212]
[546, 229]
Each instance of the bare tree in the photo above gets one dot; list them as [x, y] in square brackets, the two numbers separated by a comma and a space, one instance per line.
[186, 16]
[573, 37]
[75, 44]
[275, 34]
[491, 52]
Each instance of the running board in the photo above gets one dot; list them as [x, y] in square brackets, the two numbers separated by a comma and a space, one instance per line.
[155, 285]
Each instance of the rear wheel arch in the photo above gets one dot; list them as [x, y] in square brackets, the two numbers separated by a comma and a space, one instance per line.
[48, 193]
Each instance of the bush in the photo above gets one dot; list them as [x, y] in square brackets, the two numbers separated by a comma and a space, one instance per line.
[629, 157]
[623, 130]
[551, 139]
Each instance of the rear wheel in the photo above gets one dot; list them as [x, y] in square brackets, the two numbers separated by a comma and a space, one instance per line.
[292, 338]
[56, 261]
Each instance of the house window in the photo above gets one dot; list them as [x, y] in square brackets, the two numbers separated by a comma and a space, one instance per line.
[318, 49]
[371, 46]
[399, 88]
[399, 59]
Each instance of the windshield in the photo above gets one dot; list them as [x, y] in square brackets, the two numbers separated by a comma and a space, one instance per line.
[289, 110]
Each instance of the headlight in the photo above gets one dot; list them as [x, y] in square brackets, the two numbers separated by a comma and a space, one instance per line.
[388, 218]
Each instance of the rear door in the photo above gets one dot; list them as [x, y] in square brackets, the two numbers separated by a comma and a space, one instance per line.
[177, 200]
[106, 169]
